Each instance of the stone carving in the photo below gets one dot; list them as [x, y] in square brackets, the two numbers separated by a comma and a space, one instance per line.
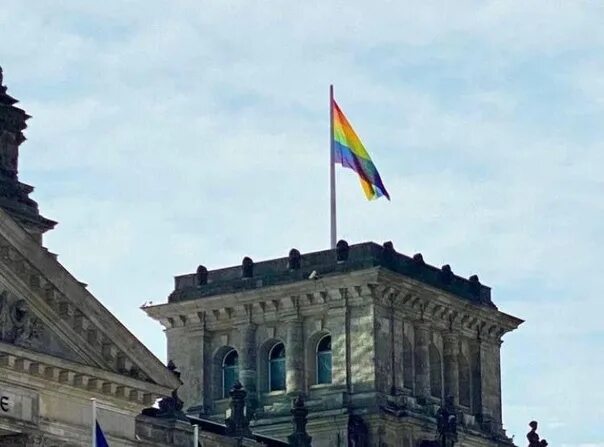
[294, 259]
[533, 437]
[201, 275]
[446, 423]
[342, 251]
[26, 326]
[446, 274]
[418, 258]
[169, 407]
[237, 422]
[446, 426]
[299, 438]
[388, 253]
[474, 284]
[18, 324]
[247, 267]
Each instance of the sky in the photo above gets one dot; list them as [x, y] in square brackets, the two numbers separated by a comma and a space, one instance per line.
[171, 134]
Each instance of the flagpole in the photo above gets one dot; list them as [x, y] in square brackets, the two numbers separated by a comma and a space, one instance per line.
[195, 435]
[93, 422]
[332, 171]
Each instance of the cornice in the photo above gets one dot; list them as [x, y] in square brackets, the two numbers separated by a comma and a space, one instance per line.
[79, 378]
[301, 299]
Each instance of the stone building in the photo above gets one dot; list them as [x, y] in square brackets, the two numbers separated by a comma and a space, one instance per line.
[374, 339]
[59, 347]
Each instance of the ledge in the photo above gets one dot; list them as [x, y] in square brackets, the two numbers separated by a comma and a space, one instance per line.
[359, 257]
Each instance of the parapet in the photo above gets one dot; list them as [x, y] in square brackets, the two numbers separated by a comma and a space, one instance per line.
[344, 258]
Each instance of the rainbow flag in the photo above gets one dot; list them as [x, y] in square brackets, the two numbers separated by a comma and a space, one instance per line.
[350, 153]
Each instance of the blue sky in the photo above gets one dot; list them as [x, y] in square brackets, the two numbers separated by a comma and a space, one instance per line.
[169, 134]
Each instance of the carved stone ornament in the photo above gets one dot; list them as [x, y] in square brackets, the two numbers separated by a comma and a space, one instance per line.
[342, 250]
[294, 259]
[18, 324]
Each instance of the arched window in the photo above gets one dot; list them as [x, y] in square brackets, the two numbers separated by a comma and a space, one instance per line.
[276, 368]
[324, 360]
[407, 364]
[230, 371]
[435, 373]
[465, 394]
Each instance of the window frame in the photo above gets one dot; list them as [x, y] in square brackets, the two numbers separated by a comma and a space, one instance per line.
[270, 361]
[317, 352]
[225, 392]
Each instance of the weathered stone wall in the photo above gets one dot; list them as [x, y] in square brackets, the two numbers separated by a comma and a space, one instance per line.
[398, 348]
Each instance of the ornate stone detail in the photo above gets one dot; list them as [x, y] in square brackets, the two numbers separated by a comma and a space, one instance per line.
[294, 259]
[18, 324]
[237, 421]
[299, 438]
[446, 424]
[247, 267]
[201, 276]
[446, 427]
[169, 407]
[388, 253]
[342, 251]
[533, 437]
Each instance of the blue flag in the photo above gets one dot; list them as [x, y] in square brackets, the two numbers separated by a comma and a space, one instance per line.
[100, 437]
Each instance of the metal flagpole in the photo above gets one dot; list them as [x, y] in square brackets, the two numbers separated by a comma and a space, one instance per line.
[195, 435]
[93, 422]
[332, 171]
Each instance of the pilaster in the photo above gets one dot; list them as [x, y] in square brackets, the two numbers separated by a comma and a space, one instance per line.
[294, 357]
[422, 366]
[247, 363]
[339, 322]
[451, 366]
[487, 375]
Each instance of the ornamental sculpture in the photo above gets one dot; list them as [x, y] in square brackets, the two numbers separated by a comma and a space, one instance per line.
[533, 437]
[446, 426]
[18, 324]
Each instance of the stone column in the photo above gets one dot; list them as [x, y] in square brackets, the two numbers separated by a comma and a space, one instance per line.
[192, 358]
[294, 357]
[339, 347]
[422, 365]
[486, 383]
[451, 366]
[247, 363]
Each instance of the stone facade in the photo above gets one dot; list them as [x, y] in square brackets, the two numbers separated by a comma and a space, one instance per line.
[403, 336]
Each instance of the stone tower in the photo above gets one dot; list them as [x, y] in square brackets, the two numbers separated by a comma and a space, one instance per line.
[374, 340]
[14, 195]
